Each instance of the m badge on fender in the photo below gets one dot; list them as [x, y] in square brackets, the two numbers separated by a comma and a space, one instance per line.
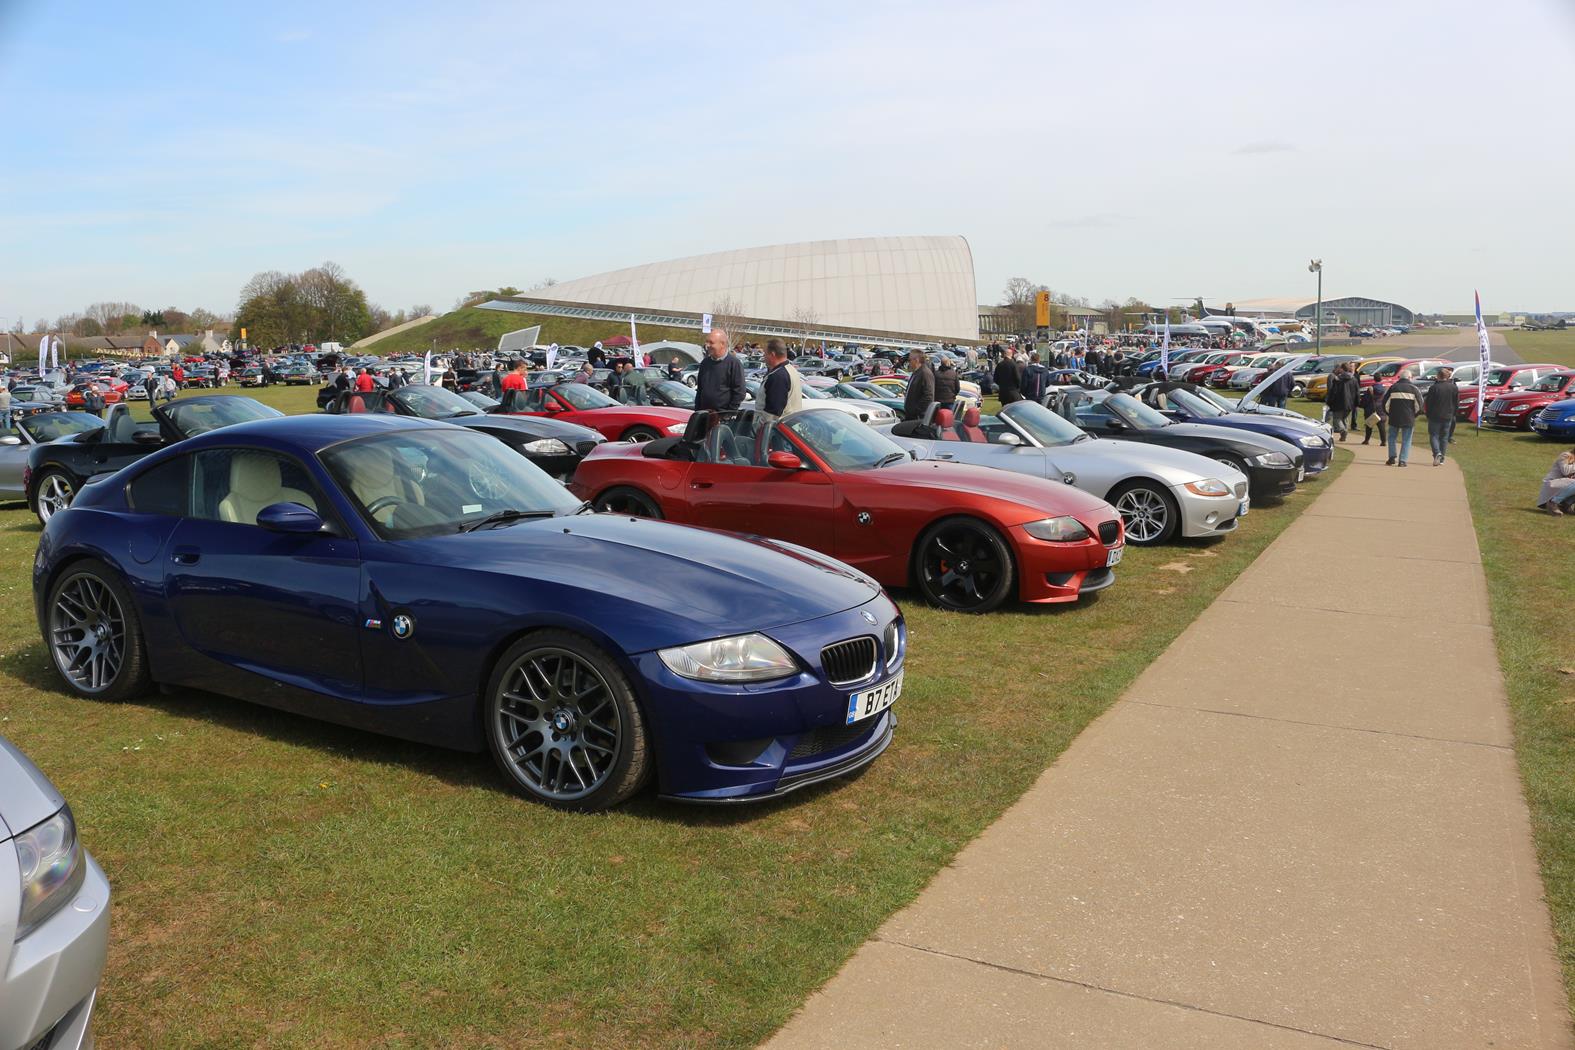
[402, 626]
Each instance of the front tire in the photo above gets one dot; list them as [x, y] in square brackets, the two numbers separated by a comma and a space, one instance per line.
[1148, 513]
[640, 435]
[964, 565]
[563, 723]
[56, 489]
[94, 636]
[627, 500]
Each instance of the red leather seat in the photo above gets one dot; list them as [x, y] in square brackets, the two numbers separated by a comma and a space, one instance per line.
[357, 404]
[970, 426]
[943, 421]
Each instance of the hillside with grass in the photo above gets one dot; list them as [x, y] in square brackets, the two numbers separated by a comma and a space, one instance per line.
[475, 329]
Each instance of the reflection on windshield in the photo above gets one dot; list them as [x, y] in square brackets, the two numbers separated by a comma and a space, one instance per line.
[434, 402]
[1043, 425]
[680, 394]
[842, 441]
[198, 417]
[582, 396]
[1194, 405]
[1550, 383]
[1136, 412]
[51, 425]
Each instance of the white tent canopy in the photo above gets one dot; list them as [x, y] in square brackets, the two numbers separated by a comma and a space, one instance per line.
[667, 350]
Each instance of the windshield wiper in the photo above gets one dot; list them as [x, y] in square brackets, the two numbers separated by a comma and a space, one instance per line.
[456, 415]
[584, 508]
[499, 517]
[890, 457]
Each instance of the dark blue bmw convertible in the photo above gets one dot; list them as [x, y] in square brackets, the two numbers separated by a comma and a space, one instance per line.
[425, 581]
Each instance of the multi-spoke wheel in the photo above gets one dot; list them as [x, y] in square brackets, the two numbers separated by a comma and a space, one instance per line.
[94, 637]
[640, 435]
[55, 493]
[630, 501]
[1147, 511]
[563, 723]
[964, 565]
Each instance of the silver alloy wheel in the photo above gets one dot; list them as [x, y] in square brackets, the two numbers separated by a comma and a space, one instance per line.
[54, 495]
[558, 724]
[1144, 513]
[87, 633]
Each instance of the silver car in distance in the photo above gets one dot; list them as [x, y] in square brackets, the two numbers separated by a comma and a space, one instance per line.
[1159, 492]
[54, 915]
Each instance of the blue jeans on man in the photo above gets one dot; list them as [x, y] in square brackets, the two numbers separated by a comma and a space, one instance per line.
[1401, 436]
[1439, 434]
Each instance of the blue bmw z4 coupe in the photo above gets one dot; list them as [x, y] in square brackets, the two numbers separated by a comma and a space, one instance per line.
[418, 579]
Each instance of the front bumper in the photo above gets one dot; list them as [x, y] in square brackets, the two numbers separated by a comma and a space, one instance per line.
[1269, 482]
[50, 982]
[1049, 573]
[1316, 460]
[720, 743]
[1210, 515]
[1510, 419]
[1559, 428]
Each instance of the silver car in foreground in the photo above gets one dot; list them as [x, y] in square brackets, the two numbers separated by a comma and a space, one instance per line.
[54, 915]
[1159, 492]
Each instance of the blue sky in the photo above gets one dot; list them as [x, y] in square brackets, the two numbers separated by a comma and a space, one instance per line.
[163, 152]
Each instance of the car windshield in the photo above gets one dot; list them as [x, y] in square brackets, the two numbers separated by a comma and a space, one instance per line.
[198, 417]
[1553, 383]
[1434, 372]
[842, 441]
[1499, 376]
[680, 394]
[1135, 412]
[1194, 405]
[582, 396]
[851, 392]
[434, 402]
[1043, 425]
[1388, 370]
[430, 482]
[48, 426]
[1371, 368]
[814, 394]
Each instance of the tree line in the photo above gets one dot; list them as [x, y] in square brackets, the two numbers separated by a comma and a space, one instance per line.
[1021, 293]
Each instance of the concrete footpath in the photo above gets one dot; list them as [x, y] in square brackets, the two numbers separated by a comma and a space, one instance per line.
[1302, 827]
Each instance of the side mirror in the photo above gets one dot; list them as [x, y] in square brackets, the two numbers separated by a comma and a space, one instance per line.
[289, 517]
[552, 406]
[783, 461]
[10, 439]
[1114, 424]
[1010, 440]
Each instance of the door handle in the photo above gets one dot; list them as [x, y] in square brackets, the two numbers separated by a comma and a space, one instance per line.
[185, 555]
[700, 484]
[944, 455]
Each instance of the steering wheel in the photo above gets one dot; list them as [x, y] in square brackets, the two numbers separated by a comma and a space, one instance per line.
[383, 503]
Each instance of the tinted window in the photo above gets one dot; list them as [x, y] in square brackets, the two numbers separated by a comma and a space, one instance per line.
[51, 425]
[166, 489]
[233, 484]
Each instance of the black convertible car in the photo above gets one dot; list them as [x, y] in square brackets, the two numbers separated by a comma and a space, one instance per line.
[57, 470]
[1273, 467]
[554, 445]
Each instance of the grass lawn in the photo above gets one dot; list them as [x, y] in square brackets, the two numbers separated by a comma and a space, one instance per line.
[287, 883]
[1554, 347]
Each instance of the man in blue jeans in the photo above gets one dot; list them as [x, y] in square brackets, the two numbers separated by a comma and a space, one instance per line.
[1440, 403]
[1401, 402]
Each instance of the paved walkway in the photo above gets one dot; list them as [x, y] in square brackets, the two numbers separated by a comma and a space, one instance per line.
[1264, 844]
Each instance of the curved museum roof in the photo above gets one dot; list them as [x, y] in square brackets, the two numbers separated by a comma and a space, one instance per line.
[921, 285]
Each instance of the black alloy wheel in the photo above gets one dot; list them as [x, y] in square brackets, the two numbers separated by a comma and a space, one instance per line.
[964, 565]
[563, 724]
[630, 501]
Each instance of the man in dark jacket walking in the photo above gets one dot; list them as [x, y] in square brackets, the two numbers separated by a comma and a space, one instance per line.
[1440, 402]
[1400, 404]
[1341, 396]
[1008, 382]
[946, 383]
[720, 385]
[921, 387]
[1036, 378]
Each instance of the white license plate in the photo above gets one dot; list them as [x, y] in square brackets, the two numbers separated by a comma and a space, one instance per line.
[1241, 510]
[874, 700]
[1301, 475]
[1114, 557]
[1539, 425]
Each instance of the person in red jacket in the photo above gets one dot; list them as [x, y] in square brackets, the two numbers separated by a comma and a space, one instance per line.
[178, 374]
[363, 382]
[514, 379]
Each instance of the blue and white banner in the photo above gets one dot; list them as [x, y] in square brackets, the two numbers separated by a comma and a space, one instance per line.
[1484, 357]
[634, 337]
[1164, 352]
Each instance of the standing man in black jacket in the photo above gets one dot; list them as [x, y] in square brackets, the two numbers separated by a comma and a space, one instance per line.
[1341, 396]
[720, 385]
[921, 387]
[1440, 403]
[1008, 381]
[1401, 402]
[946, 383]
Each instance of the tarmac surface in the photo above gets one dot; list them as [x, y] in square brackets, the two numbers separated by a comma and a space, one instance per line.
[1302, 828]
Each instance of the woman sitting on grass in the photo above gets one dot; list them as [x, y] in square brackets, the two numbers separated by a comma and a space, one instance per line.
[1558, 487]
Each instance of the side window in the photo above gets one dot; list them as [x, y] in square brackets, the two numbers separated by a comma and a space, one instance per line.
[232, 484]
[166, 489]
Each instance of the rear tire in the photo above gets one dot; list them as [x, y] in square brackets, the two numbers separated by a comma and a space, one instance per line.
[627, 500]
[94, 636]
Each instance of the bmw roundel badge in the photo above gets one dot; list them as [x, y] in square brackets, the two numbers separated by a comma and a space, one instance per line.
[402, 626]
[869, 617]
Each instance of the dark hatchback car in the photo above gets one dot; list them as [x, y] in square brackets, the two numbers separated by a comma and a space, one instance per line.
[56, 471]
[1273, 467]
[553, 445]
[1189, 403]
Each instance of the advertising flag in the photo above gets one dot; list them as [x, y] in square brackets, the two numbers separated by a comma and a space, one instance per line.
[1164, 352]
[43, 352]
[426, 368]
[634, 337]
[1484, 355]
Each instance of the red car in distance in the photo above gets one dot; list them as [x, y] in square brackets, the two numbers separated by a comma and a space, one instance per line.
[584, 404]
[76, 397]
[1505, 379]
[1386, 374]
[968, 538]
[1513, 410]
[1215, 366]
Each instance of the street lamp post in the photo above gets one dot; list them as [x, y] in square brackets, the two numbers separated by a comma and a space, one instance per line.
[1316, 266]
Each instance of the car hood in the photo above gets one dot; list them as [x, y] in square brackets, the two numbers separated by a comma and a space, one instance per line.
[664, 584]
[534, 427]
[646, 413]
[1247, 442]
[1531, 395]
[26, 795]
[1037, 497]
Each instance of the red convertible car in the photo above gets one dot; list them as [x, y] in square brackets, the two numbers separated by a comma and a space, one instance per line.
[968, 538]
[1513, 409]
[583, 404]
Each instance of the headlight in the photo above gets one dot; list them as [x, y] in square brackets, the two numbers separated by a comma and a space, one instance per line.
[1209, 487]
[1313, 441]
[1057, 530]
[1273, 459]
[52, 869]
[893, 642]
[547, 447]
[678, 428]
[741, 658]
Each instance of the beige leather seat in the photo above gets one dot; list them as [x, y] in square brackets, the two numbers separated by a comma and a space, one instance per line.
[374, 478]
[254, 484]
